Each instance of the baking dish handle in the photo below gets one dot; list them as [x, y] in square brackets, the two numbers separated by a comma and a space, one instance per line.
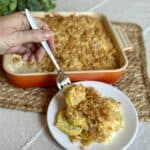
[121, 36]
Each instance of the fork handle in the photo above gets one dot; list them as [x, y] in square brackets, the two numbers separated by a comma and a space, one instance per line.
[45, 45]
[51, 55]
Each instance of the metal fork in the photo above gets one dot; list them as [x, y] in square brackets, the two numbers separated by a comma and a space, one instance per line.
[62, 79]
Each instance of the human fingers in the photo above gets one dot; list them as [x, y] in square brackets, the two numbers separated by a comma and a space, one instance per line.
[42, 25]
[51, 41]
[22, 37]
[32, 58]
[39, 54]
[17, 49]
[26, 55]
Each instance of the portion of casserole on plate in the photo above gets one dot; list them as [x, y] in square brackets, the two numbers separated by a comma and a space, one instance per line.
[89, 117]
[81, 43]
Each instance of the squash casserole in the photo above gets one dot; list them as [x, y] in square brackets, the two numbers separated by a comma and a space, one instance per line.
[89, 117]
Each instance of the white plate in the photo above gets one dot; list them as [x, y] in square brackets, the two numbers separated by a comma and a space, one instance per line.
[121, 140]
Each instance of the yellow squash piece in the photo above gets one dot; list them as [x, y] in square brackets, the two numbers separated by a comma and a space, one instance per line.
[63, 124]
[76, 118]
[80, 121]
[75, 94]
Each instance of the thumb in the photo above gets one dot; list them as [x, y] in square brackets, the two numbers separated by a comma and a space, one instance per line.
[36, 36]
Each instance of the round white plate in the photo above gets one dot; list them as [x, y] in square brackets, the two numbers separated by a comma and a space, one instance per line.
[121, 140]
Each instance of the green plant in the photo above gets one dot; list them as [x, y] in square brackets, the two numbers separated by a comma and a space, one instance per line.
[9, 6]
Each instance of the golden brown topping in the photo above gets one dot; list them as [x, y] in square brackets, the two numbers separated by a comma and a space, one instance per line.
[81, 43]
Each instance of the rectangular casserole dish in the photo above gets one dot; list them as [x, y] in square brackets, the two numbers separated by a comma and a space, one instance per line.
[44, 79]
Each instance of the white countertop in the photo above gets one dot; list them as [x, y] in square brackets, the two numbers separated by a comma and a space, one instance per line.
[28, 131]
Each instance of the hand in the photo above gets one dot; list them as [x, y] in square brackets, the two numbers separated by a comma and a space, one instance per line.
[17, 37]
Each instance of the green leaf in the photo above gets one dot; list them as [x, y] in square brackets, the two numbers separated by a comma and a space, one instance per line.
[35, 5]
[4, 3]
[7, 6]
[22, 4]
[12, 5]
[5, 11]
[44, 5]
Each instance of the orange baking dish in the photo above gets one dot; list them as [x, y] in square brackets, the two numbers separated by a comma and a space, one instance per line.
[44, 79]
